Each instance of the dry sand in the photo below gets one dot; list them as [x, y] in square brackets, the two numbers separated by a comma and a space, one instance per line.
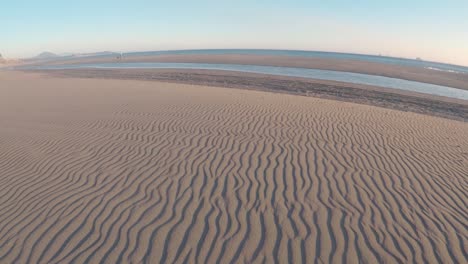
[456, 109]
[128, 171]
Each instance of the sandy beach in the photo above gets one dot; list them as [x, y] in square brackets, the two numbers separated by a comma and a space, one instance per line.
[103, 170]
[456, 109]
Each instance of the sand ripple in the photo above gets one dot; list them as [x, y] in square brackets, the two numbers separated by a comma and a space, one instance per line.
[132, 172]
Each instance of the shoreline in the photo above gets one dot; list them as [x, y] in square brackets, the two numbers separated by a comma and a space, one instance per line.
[361, 94]
[455, 80]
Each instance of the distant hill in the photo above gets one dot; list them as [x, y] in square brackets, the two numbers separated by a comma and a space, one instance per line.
[46, 55]
[65, 56]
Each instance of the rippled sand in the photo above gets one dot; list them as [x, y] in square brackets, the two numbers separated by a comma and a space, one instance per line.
[128, 171]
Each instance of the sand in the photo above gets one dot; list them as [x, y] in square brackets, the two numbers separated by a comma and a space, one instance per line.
[456, 109]
[129, 171]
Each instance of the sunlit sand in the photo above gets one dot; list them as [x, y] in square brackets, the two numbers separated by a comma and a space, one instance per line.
[130, 171]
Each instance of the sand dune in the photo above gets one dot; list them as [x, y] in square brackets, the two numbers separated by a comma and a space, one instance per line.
[127, 171]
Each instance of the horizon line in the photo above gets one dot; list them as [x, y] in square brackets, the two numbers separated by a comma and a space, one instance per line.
[240, 49]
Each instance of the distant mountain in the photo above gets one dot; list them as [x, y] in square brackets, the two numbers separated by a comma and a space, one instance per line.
[65, 56]
[2, 60]
[46, 55]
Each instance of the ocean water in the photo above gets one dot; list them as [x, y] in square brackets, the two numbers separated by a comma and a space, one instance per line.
[357, 78]
[316, 54]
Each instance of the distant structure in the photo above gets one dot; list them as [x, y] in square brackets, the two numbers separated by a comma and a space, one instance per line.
[120, 56]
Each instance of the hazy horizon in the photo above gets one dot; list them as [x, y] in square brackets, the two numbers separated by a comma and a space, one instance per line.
[431, 30]
[92, 52]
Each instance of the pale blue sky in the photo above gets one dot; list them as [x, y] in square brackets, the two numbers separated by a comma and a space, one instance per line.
[430, 29]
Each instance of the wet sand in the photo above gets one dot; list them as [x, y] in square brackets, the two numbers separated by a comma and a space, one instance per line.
[134, 171]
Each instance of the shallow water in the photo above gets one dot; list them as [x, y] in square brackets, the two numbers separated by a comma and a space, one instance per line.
[349, 77]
